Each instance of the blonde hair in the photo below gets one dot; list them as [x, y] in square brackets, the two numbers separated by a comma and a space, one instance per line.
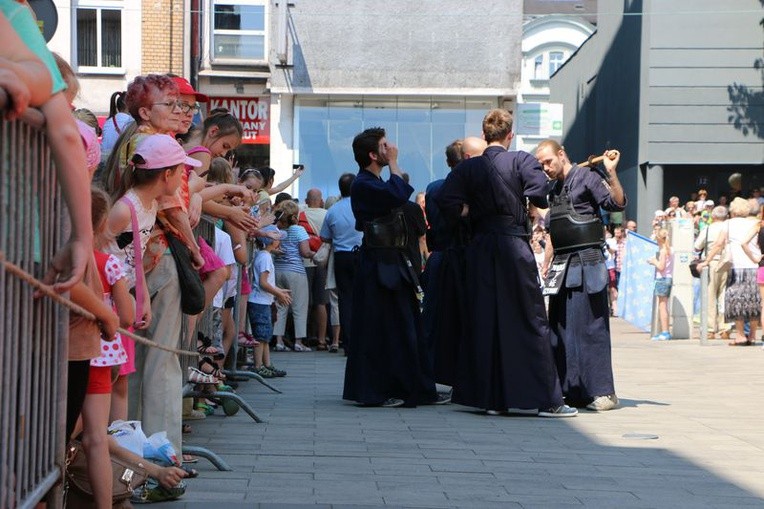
[290, 210]
[661, 237]
[740, 207]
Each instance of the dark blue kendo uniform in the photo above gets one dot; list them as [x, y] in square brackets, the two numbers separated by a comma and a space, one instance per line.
[505, 360]
[444, 310]
[389, 358]
[579, 313]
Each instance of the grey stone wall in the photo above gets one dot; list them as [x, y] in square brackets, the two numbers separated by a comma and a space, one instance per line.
[357, 45]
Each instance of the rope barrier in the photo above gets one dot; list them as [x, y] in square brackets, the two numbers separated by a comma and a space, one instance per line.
[48, 291]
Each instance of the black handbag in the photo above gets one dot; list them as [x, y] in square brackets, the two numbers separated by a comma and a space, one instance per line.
[694, 267]
[191, 288]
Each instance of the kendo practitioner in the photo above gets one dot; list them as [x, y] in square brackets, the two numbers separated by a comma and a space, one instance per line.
[577, 280]
[388, 364]
[444, 312]
[506, 362]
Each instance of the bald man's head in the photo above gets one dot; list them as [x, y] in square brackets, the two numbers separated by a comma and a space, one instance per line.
[472, 146]
[314, 199]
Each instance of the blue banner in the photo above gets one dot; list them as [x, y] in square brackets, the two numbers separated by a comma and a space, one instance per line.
[635, 289]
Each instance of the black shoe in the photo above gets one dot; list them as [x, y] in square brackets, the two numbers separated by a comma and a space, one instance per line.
[560, 411]
[392, 403]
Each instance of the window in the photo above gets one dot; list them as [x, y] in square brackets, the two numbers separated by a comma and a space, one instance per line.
[421, 127]
[239, 30]
[556, 59]
[98, 37]
[538, 62]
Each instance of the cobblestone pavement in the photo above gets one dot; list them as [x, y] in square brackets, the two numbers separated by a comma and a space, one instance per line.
[688, 435]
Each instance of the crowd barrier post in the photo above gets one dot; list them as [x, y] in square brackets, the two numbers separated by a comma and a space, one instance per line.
[33, 332]
[205, 325]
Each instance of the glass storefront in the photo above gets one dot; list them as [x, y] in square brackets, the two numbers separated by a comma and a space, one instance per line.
[421, 127]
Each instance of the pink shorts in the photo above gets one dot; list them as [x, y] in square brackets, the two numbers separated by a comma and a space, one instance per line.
[760, 276]
[246, 286]
[212, 262]
[129, 346]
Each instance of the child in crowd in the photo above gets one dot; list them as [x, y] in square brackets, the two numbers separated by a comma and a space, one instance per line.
[157, 166]
[663, 276]
[97, 405]
[264, 290]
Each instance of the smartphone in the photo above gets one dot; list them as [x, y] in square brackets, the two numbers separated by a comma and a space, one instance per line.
[297, 166]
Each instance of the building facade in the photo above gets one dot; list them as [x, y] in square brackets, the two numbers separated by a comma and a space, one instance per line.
[325, 70]
[110, 42]
[677, 86]
[548, 41]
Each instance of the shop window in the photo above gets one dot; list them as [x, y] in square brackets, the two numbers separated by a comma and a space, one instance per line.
[98, 37]
[239, 33]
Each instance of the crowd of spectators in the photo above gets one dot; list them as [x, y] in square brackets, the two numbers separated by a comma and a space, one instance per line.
[155, 167]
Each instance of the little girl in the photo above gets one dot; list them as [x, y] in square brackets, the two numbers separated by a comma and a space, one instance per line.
[261, 298]
[664, 270]
[95, 410]
[157, 166]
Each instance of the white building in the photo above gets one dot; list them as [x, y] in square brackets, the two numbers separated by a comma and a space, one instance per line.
[548, 41]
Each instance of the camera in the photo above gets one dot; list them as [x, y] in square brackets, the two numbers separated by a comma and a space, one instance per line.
[297, 166]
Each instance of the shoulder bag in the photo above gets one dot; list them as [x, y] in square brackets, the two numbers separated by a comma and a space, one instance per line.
[191, 288]
[138, 258]
[126, 477]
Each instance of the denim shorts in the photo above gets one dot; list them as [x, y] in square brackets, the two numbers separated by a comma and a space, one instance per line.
[662, 286]
[260, 321]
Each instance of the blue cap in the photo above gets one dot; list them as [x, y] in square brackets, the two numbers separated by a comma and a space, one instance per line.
[271, 228]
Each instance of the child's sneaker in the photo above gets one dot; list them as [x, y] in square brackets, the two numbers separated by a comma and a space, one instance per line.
[276, 372]
[264, 372]
[663, 336]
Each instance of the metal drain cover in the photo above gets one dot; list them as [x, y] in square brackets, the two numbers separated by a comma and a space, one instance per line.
[640, 436]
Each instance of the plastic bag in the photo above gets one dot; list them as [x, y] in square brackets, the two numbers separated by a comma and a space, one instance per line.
[129, 435]
[158, 449]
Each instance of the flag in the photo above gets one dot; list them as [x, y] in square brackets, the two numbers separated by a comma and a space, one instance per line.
[635, 288]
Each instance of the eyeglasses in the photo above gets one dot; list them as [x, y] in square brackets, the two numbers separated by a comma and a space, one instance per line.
[185, 108]
[170, 104]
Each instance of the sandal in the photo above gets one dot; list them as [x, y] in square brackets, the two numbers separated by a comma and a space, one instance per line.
[334, 349]
[186, 428]
[206, 347]
[196, 376]
[281, 348]
[301, 348]
[205, 409]
[214, 370]
[247, 340]
[187, 458]
[747, 342]
[321, 347]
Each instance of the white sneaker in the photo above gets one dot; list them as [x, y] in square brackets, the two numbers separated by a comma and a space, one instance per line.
[603, 403]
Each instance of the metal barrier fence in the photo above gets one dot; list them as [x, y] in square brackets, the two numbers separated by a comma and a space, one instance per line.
[206, 325]
[33, 333]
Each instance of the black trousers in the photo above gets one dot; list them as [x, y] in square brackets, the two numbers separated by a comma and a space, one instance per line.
[76, 388]
[345, 266]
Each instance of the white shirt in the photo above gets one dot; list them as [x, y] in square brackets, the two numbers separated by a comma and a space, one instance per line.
[224, 250]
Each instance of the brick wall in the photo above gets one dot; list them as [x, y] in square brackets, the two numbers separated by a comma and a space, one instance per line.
[162, 36]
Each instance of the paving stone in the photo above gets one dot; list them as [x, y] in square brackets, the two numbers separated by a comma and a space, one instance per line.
[318, 451]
